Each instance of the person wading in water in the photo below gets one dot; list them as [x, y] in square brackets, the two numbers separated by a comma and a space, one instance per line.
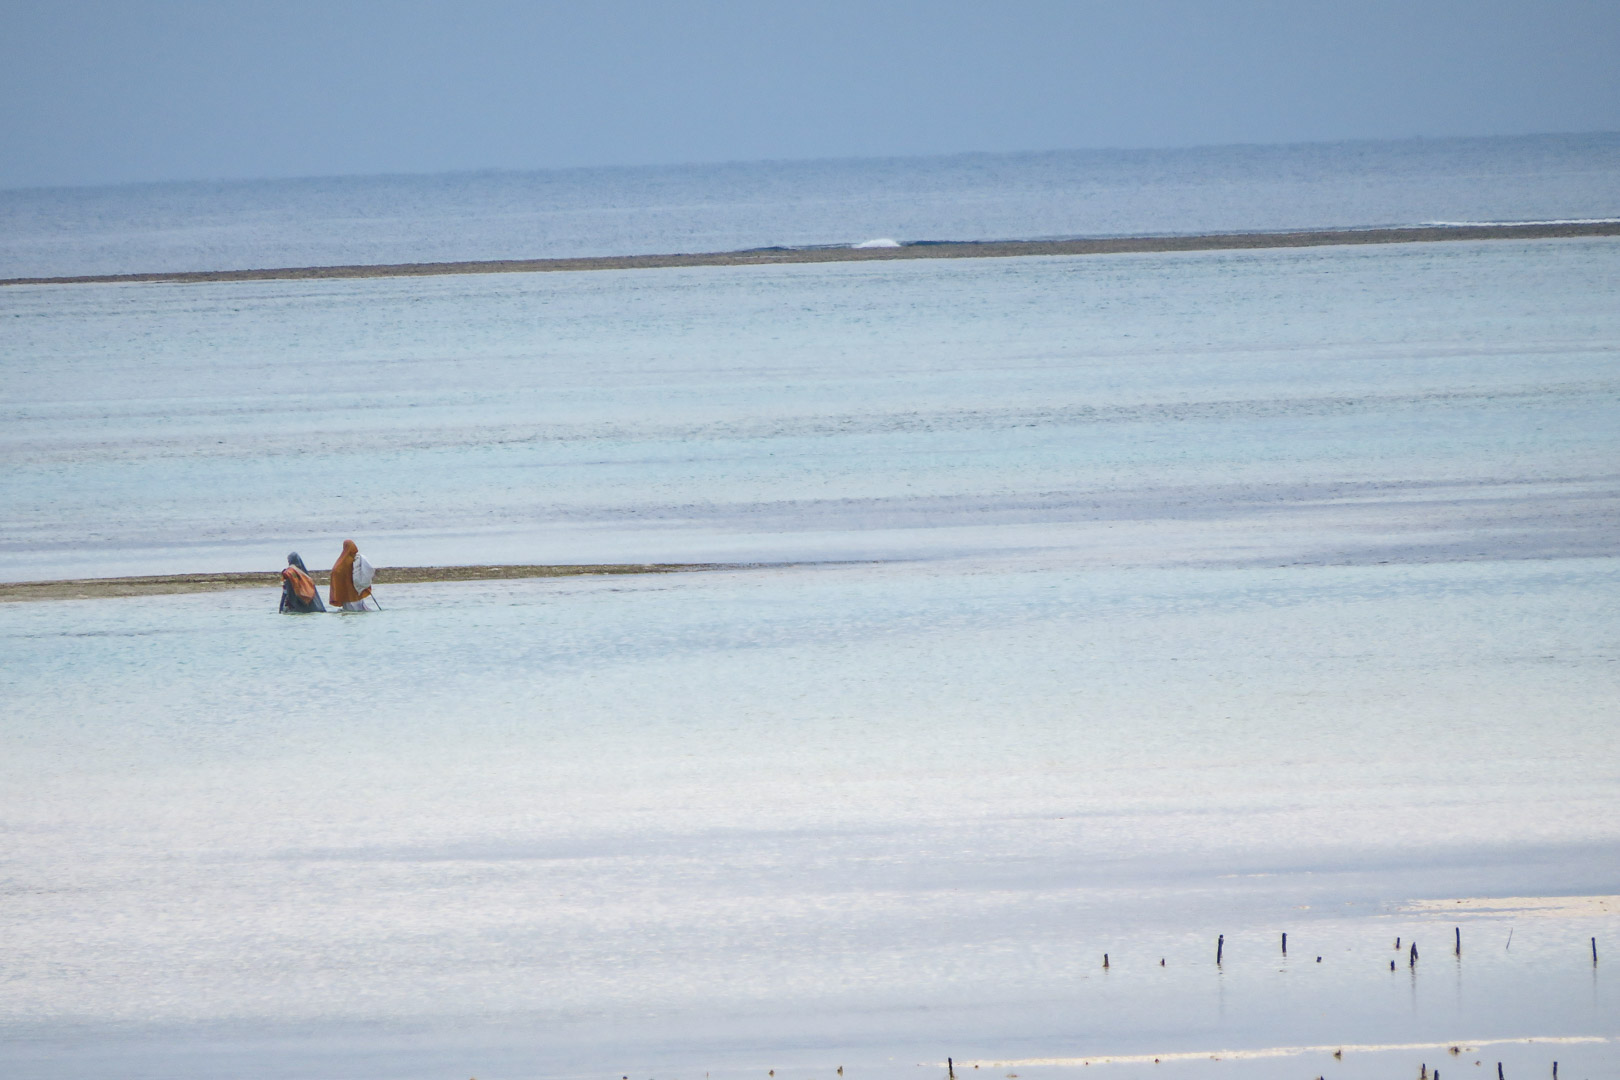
[351, 579]
[298, 593]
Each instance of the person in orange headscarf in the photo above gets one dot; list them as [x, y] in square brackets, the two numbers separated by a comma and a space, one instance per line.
[351, 579]
[298, 594]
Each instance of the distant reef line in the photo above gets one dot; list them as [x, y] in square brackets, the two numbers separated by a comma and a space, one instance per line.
[168, 584]
[930, 249]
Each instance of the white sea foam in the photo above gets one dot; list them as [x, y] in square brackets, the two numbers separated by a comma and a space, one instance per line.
[880, 243]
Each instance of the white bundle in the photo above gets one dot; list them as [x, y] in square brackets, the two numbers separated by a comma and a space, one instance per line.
[363, 573]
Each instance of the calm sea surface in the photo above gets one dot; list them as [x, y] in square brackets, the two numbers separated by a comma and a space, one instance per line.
[632, 211]
[1101, 605]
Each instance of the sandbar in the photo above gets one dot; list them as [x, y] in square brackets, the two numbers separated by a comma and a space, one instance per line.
[166, 584]
[1545, 907]
[931, 249]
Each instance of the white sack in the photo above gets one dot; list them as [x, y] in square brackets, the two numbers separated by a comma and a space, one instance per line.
[363, 573]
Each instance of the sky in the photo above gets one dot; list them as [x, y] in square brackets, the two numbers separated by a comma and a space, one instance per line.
[117, 92]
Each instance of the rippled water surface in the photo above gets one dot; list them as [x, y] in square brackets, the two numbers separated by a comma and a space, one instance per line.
[1102, 605]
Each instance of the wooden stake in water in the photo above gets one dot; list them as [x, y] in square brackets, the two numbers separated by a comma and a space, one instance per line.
[1594, 950]
[1285, 943]
[1220, 946]
[1412, 959]
[1459, 941]
[950, 1068]
[1105, 968]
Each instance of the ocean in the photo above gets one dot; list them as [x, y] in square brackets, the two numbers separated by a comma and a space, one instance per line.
[702, 208]
[1138, 605]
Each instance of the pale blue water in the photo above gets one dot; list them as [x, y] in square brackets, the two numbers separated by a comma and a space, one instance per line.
[1141, 599]
[793, 819]
[627, 211]
[1321, 405]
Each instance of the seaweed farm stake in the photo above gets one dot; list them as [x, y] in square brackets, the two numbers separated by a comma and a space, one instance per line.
[1459, 941]
[1105, 968]
[1594, 950]
[1285, 943]
[1412, 960]
[1220, 946]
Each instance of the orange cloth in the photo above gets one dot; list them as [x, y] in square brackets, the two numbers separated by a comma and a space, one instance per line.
[341, 590]
[302, 585]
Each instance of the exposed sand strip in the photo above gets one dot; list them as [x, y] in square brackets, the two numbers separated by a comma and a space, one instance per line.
[1544, 907]
[161, 584]
[987, 249]
[1274, 1052]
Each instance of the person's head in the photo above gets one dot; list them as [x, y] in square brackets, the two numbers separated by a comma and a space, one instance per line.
[294, 560]
[350, 547]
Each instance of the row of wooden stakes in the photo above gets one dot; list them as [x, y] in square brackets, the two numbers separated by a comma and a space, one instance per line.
[1411, 960]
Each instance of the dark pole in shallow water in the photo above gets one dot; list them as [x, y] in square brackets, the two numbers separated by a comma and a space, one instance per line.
[1594, 950]
[1459, 941]
[1285, 943]
[1220, 945]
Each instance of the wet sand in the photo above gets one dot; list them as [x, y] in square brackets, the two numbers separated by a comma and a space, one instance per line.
[987, 249]
[165, 584]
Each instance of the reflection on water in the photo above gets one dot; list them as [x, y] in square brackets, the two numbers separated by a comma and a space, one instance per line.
[747, 818]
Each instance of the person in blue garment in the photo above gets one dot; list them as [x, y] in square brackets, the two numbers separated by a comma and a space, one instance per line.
[298, 592]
